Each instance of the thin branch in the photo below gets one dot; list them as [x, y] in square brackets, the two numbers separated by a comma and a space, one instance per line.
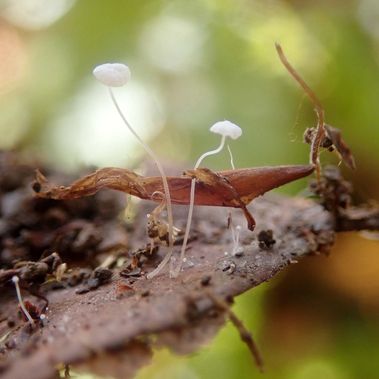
[320, 132]
[243, 332]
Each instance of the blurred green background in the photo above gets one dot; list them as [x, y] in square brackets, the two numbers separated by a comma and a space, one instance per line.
[194, 63]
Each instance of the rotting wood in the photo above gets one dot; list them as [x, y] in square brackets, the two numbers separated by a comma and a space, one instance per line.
[81, 328]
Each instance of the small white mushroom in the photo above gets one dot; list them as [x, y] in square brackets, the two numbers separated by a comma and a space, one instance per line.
[225, 129]
[112, 74]
[15, 281]
[237, 249]
[117, 75]
[43, 319]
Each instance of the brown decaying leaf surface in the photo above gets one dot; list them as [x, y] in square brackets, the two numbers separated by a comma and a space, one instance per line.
[125, 317]
[232, 188]
[340, 145]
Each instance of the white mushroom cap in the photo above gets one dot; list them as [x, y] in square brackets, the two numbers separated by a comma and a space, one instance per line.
[112, 74]
[227, 129]
[15, 279]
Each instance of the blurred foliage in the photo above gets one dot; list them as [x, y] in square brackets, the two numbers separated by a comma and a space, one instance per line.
[194, 63]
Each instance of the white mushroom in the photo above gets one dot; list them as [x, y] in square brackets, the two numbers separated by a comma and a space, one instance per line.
[117, 75]
[15, 280]
[112, 74]
[237, 249]
[225, 129]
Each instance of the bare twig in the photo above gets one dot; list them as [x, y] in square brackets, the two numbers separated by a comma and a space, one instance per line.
[243, 332]
[320, 131]
[114, 315]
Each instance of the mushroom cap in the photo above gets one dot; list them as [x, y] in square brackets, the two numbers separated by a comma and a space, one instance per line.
[15, 279]
[227, 129]
[112, 74]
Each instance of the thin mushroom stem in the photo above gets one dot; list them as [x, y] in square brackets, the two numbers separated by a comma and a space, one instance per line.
[176, 271]
[212, 152]
[236, 239]
[15, 280]
[165, 187]
[231, 157]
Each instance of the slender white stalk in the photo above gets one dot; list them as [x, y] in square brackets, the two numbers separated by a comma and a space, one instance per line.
[212, 152]
[165, 187]
[233, 234]
[15, 281]
[236, 239]
[231, 157]
[176, 272]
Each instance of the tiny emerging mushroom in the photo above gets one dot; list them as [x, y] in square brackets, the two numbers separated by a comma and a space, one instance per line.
[15, 280]
[117, 75]
[225, 129]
